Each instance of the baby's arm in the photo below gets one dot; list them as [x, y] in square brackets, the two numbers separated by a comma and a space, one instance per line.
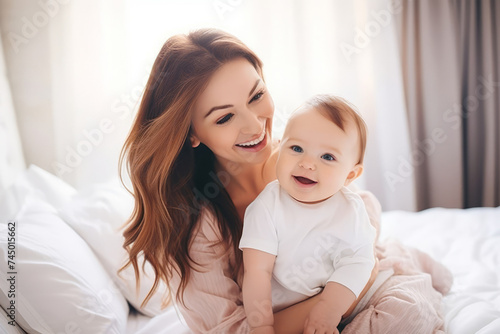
[325, 316]
[258, 268]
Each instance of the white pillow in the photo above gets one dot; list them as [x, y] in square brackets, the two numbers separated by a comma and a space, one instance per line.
[6, 327]
[37, 182]
[98, 215]
[60, 285]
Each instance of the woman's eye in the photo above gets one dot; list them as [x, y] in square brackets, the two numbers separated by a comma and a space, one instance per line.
[296, 148]
[328, 157]
[257, 96]
[224, 119]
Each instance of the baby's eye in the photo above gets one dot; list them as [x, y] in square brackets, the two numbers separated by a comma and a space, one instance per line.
[224, 119]
[328, 157]
[297, 149]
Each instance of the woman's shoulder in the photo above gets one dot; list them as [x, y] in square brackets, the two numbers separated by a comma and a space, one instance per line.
[207, 227]
[206, 245]
[351, 201]
[207, 233]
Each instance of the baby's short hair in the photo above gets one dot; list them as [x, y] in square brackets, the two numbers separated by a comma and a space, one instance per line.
[339, 111]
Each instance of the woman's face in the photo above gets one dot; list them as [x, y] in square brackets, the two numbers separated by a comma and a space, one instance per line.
[233, 115]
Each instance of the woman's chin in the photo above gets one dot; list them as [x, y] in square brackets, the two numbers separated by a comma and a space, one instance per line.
[258, 158]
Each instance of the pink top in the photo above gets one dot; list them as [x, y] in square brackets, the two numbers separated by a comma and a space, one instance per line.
[213, 298]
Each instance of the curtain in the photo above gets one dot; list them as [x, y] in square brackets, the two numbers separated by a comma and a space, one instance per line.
[71, 87]
[11, 158]
[479, 41]
[450, 52]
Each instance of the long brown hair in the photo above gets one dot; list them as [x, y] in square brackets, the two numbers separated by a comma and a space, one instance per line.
[169, 177]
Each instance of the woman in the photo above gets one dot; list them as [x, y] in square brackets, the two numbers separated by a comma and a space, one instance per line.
[199, 152]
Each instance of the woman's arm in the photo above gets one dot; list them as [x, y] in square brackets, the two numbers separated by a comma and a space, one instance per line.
[257, 289]
[292, 319]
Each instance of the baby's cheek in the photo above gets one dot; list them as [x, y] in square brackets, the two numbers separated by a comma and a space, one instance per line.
[284, 169]
[280, 166]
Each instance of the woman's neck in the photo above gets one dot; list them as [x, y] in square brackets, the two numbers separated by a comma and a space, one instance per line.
[241, 178]
[244, 182]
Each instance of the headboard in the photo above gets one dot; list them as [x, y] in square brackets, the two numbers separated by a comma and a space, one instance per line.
[11, 153]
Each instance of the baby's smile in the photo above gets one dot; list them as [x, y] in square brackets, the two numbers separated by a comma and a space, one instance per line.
[304, 181]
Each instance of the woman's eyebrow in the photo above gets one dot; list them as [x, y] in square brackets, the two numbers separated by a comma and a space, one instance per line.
[217, 108]
[230, 105]
[254, 87]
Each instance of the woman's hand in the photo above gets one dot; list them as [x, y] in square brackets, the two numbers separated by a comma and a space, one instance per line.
[321, 320]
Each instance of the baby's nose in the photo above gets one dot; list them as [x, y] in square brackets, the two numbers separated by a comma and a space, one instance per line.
[307, 163]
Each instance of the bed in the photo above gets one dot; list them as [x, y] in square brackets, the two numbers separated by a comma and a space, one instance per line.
[63, 277]
[68, 240]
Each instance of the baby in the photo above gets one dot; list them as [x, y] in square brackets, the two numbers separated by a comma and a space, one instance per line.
[306, 233]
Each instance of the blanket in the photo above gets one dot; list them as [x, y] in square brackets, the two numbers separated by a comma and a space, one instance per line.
[409, 300]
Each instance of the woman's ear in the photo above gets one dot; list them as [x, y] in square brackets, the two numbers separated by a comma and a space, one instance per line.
[195, 142]
[354, 174]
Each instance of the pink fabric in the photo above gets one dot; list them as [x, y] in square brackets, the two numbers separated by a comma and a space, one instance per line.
[373, 209]
[410, 300]
[213, 299]
[407, 300]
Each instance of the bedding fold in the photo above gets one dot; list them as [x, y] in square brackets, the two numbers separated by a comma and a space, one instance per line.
[411, 298]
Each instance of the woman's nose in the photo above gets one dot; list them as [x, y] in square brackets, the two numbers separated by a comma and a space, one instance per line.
[251, 124]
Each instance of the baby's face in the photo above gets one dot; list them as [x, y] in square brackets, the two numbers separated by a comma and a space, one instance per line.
[317, 157]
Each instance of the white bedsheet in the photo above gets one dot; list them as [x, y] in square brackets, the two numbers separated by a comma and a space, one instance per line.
[466, 241]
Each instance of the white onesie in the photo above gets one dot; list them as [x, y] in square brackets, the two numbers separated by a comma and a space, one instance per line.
[314, 243]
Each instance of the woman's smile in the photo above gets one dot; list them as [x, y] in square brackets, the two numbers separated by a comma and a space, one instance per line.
[255, 147]
[257, 144]
[255, 141]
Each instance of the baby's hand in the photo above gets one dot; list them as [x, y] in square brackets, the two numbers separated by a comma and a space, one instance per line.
[321, 320]
[263, 330]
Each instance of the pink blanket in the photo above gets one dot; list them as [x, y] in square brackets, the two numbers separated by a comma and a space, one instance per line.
[409, 301]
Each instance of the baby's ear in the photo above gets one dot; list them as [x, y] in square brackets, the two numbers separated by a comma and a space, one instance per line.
[355, 172]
